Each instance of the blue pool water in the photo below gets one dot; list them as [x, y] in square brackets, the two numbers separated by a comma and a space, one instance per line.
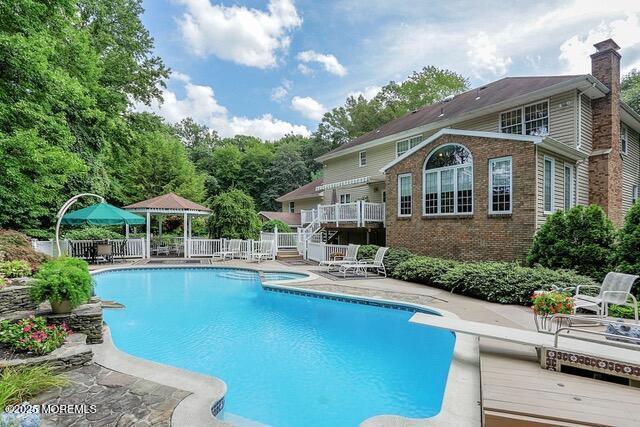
[288, 360]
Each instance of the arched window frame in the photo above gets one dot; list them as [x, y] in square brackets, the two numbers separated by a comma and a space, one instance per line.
[455, 190]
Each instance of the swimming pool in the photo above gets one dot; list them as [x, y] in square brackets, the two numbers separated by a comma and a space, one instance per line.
[288, 360]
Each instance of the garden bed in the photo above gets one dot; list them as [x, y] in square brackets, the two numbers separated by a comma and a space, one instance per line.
[72, 354]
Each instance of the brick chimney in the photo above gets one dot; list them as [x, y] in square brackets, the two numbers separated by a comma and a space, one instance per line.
[605, 161]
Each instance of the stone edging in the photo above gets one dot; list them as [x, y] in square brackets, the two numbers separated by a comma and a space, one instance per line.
[461, 401]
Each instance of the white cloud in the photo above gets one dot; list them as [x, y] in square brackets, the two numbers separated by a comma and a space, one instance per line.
[305, 70]
[483, 56]
[308, 107]
[279, 93]
[200, 104]
[574, 52]
[246, 36]
[329, 62]
[368, 92]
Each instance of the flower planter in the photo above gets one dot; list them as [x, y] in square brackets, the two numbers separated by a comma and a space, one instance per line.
[61, 307]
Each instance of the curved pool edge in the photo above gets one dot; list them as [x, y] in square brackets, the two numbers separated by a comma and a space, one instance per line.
[461, 405]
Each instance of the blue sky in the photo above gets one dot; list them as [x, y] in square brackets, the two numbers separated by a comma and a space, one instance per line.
[268, 68]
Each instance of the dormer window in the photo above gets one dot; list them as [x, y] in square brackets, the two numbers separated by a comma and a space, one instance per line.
[407, 144]
[532, 119]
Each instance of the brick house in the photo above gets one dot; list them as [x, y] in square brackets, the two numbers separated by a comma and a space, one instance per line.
[474, 176]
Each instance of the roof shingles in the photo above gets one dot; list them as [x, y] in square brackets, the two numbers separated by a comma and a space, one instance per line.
[169, 201]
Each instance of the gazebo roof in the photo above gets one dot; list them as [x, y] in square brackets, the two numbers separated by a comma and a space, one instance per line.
[168, 203]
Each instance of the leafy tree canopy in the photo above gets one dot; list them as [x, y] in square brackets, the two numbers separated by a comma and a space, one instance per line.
[630, 88]
[234, 216]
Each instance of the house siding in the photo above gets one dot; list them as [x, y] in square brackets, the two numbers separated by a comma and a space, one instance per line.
[558, 188]
[585, 140]
[630, 169]
[479, 236]
[310, 203]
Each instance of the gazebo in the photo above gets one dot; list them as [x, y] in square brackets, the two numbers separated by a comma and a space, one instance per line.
[169, 205]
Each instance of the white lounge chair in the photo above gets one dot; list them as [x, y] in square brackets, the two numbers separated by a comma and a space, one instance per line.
[232, 249]
[349, 258]
[363, 265]
[615, 289]
[264, 250]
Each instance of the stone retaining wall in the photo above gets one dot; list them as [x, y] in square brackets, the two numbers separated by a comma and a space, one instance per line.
[85, 319]
[73, 354]
[15, 298]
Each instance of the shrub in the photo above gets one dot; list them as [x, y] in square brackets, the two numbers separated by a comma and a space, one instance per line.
[622, 311]
[628, 249]
[63, 279]
[506, 283]
[17, 246]
[92, 233]
[367, 251]
[37, 233]
[233, 216]
[394, 257]
[422, 269]
[581, 238]
[18, 385]
[272, 223]
[13, 269]
[547, 303]
[33, 335]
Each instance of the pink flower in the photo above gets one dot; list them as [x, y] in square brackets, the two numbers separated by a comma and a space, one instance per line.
[26, 329]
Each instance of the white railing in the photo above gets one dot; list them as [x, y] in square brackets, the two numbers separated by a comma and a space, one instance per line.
[204, 247]
[358, 212]
[323, 252]
[123, 248]
[287, 240]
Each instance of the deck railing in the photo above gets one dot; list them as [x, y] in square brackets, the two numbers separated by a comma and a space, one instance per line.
[122, 248]
[323, 252]
[358, 213]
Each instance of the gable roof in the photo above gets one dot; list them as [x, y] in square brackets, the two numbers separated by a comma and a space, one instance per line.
[306, 191]
[169, 201]
[481, 99]
[545, 142]
[288, 218]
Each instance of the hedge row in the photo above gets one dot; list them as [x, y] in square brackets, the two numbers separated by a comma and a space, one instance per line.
[501, 282]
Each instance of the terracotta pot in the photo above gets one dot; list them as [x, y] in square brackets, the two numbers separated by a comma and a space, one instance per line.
[61, 307]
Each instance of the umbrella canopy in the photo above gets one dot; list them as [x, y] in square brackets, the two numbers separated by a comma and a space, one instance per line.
[102, 214]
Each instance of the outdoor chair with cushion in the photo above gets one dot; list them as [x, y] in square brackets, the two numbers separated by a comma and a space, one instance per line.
[363, 265]
[104, 252]
[349, 258]
[615, 289]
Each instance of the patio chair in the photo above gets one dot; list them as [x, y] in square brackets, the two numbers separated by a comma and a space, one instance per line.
[615, 289]
[349, 258]
[363, 265]
[265, 250]
[104, 252]
[232, 249]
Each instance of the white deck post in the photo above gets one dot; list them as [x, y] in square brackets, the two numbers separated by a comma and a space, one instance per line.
[337, 207]
[160, 218]
[190, 234]
[275, 243]
[184, 235]
[126, 231]
[148, 242]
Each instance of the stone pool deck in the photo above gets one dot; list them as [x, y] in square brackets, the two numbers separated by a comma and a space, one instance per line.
[513, 384]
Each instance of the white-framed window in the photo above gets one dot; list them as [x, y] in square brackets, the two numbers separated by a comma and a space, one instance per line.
[548, 184]
[292, 207]
[569, 186]
[501, 185]
[345, 198]
[624, 139]
[407, 144]
[634, 193]
[532, 119]
[448, 181]
[404, 194]
[362, 158]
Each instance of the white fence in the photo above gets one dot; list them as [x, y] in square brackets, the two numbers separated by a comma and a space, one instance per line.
[323, 252]
[205, 247]
[285, 240]
[123, 248]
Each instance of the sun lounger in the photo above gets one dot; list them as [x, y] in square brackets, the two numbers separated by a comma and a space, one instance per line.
[349, 258]
[264, 250]
[232, 249]
[362, 266]
[615, 289]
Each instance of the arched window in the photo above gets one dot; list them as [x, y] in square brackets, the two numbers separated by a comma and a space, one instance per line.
[448, 181]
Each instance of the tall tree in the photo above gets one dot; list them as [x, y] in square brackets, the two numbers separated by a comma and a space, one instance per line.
[234, 216]
[287, 172]
[630, 88]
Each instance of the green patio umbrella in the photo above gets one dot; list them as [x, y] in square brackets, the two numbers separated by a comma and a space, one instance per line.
[102, 214]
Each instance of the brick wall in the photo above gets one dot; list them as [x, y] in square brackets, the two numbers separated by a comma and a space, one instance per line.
[605, 163]
[479, 236]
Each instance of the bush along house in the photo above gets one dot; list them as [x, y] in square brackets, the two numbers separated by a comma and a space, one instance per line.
[474, 176]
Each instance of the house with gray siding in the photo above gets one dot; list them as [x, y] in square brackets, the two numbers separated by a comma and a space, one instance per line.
[475, 175]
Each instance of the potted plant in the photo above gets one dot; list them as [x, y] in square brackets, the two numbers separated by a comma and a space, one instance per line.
[548, 303]
[65, 282]
[335, 255]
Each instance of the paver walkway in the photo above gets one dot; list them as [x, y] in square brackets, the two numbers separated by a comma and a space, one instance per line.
[120, 399]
